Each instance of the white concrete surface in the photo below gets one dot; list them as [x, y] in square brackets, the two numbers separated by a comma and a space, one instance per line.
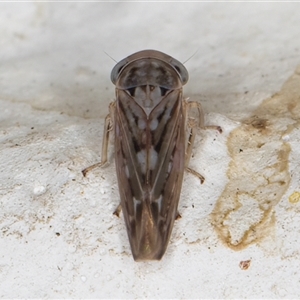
[58, 237]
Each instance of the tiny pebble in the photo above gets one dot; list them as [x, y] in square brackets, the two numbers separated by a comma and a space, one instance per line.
[39, 190]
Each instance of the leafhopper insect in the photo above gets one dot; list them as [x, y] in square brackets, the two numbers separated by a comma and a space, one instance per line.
[154, 130]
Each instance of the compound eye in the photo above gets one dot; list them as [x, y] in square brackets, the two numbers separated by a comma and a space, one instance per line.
[181, 70]
[117, 70]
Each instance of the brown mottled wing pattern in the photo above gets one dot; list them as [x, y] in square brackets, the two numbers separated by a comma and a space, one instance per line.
[150, 165]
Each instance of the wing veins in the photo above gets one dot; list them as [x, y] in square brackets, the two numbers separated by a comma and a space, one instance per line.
[166, 157]
[124, 133]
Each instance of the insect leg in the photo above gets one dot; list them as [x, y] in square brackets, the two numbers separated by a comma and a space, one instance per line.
[178, 216]
[195, 120]
[201, 177]
[118, 210]
[107, 130]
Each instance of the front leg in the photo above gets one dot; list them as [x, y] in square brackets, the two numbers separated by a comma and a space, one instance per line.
[195, 120]
[108, 127]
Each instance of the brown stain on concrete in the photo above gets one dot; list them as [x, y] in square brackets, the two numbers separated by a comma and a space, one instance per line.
[258, 172]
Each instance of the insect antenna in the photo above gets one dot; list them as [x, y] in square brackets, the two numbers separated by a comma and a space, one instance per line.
[110, 56]
[191, 56]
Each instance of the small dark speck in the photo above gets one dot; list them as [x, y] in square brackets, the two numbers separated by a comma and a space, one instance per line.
[32, 127]
[73, 179]
[246, 92]
[57, 233]
[241, 150]
[193, 206]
